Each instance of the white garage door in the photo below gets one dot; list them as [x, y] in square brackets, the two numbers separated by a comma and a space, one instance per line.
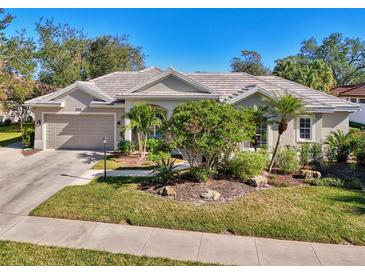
[79, 131]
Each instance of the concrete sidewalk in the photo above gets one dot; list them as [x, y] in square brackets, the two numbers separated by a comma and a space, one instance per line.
[175, 244]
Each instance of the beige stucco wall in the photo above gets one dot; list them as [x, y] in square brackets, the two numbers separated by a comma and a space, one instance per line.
[253, 100]
[323, 124]
[76, 102]
[172, 84]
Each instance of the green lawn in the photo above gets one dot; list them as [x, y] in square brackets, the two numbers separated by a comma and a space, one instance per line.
[14, 253]
[9, 134]
[319, 214]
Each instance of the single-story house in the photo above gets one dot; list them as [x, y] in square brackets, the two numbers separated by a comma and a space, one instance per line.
[354, 94]
[80, 115]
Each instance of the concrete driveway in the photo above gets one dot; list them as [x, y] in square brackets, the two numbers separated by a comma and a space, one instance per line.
[25, 182]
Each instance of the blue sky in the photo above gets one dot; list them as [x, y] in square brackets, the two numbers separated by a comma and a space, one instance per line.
[204, 39]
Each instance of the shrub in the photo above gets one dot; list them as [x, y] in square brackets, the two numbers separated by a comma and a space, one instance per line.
[166, 171]
[247, 164]
[7, 122]
[155, 145]
[126, 147]
[287, 160]
[200, 174]
[158, 156]
[329, 181]
[336, 182]
[304, 154]
[28, 137]
[359, 151]
[315, 153]
[353, 183]
[339, 145]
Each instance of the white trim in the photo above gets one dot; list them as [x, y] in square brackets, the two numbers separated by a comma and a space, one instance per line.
[79, 113]
[312, 129]
[175, 73]
[48, 105]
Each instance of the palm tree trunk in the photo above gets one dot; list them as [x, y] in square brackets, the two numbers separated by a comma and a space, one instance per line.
[139, 144]
[274, 153]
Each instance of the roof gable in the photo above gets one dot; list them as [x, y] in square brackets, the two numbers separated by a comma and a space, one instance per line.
[171, 80]
[87, 87]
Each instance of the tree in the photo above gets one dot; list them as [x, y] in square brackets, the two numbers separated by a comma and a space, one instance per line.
[17, 66]
[315, 74]
[345, 56]
[250, 62]
[285, 108]
[61, 54]
[208, 131]
[107, 54]
[143, 118]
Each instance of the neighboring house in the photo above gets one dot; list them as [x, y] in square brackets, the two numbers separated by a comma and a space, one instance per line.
[354, 94]
[80, 115]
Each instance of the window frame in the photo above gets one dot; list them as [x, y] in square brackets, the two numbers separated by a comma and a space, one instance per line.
[311, 128]
[353, 98]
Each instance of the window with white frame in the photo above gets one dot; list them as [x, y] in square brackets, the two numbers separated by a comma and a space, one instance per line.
[353, 100]
[305, 128]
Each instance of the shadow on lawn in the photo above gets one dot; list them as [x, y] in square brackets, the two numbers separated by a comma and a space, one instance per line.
[118, 182]
[357, 202]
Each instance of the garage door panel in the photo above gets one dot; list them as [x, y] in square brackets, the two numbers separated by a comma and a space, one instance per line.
[79, 131]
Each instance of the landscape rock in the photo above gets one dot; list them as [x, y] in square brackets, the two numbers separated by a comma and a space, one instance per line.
[210, 195]
[258, 181]
[168, 191]
[310, 174]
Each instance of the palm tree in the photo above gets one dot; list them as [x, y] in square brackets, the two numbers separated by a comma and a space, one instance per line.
[143, 119]
[340, 143]
[285, 107]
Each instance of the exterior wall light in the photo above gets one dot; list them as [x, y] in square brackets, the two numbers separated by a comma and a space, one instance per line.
[38, 123]
[118, 124]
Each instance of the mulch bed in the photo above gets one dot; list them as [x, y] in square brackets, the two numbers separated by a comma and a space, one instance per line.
[188, 191]
[132, 161]
[29, 152]
[277, 179]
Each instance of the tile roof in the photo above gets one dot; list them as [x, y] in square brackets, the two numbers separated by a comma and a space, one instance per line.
[226, 85]
[350, 90]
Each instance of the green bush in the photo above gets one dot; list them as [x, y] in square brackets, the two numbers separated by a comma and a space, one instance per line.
[247, 164]
[329, 181]
[359, 151]
[126, 147]
[287, 160]
[336, 182]
[304, 154]
[155, 146]
[158, 156]
[200, 174]
[28, 137]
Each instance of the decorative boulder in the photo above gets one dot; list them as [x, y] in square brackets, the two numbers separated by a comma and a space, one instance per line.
[258, 181]
[210, 195]
[310, 174]
[168, 191]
